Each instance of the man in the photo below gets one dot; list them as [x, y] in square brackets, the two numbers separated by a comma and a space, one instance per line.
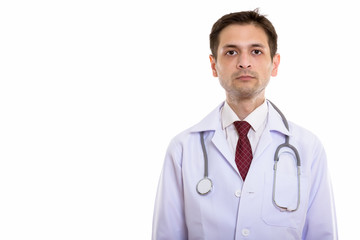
[240, 138]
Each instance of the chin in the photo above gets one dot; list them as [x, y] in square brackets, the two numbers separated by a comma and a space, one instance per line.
[248, 93]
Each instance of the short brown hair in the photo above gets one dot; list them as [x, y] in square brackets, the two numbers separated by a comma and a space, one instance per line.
[245, 17]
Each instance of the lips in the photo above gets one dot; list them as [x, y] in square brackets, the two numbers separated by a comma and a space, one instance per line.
[245, 77]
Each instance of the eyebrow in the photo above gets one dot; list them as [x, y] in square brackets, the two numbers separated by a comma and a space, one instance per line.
[251, 45]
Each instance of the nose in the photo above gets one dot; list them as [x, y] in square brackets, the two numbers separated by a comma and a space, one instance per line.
[243, 61]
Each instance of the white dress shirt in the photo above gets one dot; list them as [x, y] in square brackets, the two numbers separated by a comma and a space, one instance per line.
[257, 119]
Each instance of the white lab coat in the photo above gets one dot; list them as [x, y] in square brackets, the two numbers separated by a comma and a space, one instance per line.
[243, 210]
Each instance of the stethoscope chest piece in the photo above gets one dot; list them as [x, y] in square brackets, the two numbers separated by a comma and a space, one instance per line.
[204, 186]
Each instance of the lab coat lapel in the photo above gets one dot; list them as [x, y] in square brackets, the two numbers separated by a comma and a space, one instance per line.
[222, 146]
[264, 142]
[274, 124]
[212, 124]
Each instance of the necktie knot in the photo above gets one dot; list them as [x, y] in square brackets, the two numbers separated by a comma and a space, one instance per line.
[242, 127]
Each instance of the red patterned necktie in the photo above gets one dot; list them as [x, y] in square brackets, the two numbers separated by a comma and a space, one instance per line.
[243, 154]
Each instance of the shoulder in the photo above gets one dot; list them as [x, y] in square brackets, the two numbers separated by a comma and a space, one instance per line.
[190, 136]
[301, 132]
[298, 135]
[303, 135]
[211, 122]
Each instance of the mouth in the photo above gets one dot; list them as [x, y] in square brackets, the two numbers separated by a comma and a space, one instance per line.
[245, 77]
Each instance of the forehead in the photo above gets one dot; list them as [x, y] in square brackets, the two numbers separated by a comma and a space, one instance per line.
[243, 35]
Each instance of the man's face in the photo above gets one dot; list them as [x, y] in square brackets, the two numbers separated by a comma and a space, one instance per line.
[243, 63]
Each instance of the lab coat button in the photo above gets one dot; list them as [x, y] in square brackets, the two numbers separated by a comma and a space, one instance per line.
[238, 193]
[245, 232]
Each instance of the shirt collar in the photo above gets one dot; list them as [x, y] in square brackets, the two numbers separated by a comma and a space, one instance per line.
[256, 118]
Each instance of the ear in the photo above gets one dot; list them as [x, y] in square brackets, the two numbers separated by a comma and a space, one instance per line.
[213, 65]
[276, 62]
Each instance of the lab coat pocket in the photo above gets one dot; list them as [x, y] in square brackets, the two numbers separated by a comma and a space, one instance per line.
[286, 195]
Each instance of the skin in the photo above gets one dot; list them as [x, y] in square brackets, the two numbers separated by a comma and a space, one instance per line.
[244, 66]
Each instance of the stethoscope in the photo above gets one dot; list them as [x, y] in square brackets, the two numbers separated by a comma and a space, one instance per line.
[205, 185]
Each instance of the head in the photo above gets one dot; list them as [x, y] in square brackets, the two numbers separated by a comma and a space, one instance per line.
[244, 57]
[243, 18]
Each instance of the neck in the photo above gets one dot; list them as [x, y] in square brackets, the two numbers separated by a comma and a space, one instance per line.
[243, 107]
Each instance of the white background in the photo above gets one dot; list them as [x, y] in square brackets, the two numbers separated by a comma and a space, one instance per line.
[91, 92]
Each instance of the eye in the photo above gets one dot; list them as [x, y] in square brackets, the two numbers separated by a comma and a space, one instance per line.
[256, 52]
[231, 53]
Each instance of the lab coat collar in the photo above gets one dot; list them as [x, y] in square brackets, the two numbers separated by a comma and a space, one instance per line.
[275, 122]
[212, 122]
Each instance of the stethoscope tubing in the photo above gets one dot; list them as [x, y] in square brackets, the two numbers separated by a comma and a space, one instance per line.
[205, 185]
